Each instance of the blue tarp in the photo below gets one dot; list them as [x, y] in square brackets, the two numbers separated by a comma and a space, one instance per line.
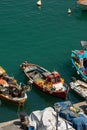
[78, 122]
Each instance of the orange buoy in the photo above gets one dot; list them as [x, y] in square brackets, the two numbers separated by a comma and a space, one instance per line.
[81, 52]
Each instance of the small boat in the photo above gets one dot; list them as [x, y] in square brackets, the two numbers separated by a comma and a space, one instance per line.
[82, 4]
[10, 91]
[79, 61]
[79, 87]
[48, 82]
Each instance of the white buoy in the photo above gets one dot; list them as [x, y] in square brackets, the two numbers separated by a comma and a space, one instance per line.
[69, 11]
[39, 3]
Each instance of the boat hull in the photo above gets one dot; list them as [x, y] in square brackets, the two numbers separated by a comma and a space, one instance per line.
[10, 90]
[79, 66]
[82, 4]
[60, 94]
[78, 93]
[79, 87]
[14, 101]
[79, 72]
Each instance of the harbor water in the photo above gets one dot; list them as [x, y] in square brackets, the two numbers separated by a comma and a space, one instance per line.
[43, 35]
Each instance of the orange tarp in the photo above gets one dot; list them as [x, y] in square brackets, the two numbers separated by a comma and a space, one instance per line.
[3, 82]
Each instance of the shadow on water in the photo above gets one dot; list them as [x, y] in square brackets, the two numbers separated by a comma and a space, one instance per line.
[10, 106]
[50, 100]
[83, 15]
[80, 13]
[12, 114]
[44, 100]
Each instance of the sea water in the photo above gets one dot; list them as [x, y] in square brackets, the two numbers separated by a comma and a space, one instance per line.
[43, 35]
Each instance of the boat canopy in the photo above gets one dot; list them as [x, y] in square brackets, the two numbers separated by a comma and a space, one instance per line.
[54, 77]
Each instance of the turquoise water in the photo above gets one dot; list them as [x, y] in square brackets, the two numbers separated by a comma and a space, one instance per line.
[44, 36]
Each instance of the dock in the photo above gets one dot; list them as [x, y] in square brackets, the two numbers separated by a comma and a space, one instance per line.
[81, 106]
[16, 124]
[11, 125]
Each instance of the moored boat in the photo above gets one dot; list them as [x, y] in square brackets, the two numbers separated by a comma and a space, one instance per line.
[79, 61]
[10, 90]
[46, 81]
[79, 87]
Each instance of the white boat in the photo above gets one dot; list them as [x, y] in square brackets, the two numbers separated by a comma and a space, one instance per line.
[79, 87]
[82, 4]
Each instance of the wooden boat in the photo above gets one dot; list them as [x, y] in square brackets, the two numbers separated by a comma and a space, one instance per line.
[45, 81]
[82, 4]
[79, 87]
[79, 61]
[10, 91]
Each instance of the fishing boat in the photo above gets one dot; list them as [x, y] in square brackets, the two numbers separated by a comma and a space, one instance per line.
[79, 87]
[10, 90]
[48, 82]
[82, 4]
[79, 61]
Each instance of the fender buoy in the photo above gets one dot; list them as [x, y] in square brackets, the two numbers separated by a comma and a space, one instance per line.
[39, 3]
[69, 11]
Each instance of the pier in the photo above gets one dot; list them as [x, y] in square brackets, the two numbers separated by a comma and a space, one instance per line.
[81, 106]
[16, 124]
[11, 125]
